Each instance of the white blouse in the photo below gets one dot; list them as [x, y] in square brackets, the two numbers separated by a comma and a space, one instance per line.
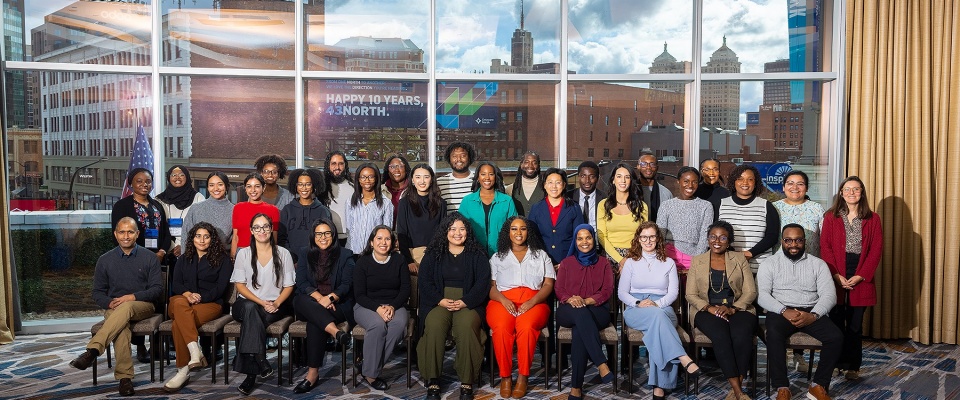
[267, 280]
[510, 273]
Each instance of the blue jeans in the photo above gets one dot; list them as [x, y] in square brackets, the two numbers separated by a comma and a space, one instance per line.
[660, 336]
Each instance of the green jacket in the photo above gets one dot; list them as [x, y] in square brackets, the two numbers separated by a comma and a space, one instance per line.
[501, 209]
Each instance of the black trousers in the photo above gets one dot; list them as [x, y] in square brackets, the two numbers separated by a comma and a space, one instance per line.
[779, 330]
[317, 319]
[586, 324]
[850, 321]
[732, 341]
[253, 333]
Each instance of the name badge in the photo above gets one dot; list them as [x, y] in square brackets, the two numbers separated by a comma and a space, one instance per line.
[152, 238]
[176, 227]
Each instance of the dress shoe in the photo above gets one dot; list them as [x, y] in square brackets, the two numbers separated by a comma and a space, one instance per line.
[433, 392]
[143, 355]
[817, 392]
[84, 360]
[692, 374]
[378, 384]
[520, 389]
[178, 381]
[246, 387]
[572, 397]
[305, 386]
[851, 375]
[784, 394]
[126, 387]
[342, 339]
[266, 370]
[506, 387]
[609, 377]
[466, 392]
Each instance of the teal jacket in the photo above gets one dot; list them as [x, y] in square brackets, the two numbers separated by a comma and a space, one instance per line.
[502, 208]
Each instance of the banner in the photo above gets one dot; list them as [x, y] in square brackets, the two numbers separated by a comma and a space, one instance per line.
[371, 104]
[467, 105]
[773, 174]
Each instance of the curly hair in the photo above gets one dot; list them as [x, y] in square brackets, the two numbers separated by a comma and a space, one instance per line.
[440, 245]
[358, 193]
[319, 186]
[636, 251]
[497, 182]
[434, 201]
[471, 153]
[277, 261]
[534, 241]
[274, 159]
[634, 198]
[725, 226]
[215, 253]
[368, 250]
[758, 188]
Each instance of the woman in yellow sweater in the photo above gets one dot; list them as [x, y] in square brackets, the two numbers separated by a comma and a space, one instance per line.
[620, 214]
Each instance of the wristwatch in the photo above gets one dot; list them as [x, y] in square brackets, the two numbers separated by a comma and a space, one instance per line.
[332, 299]
[815, 315]
[638, 303]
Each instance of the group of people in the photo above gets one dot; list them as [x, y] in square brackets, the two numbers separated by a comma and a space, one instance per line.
[484, 257]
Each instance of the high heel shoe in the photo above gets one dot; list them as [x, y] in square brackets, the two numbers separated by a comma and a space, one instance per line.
[305, 386]
[655, 397]
[609, 377]
[686, 368]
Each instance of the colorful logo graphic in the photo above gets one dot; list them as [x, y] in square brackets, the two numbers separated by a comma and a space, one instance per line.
[464, 106]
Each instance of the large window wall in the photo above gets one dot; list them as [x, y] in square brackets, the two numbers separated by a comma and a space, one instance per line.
[215, 84]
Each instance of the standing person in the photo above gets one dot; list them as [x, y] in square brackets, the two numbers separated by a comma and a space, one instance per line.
[648, 287]
[588, 195]
[418, 215]
[200, 280]
[381, 284]
[721, 291]
[522, 277]
[685, 220]
[339, 190]
[217, 210]
[126, 282]
[297, 217]
[396, 180]
[756, 222]
[455, 185]
[796, 290]
[527, 188]
[852, 243]
[488, 207]
[244, 212]
[584, 285]
[454, 284]
[712, 187]
[556, 216]
[324, 296]
[264, 277]
[177, 199]
[797, 208]
[654, 193]
[273, 168]
[622, 212]
[368, 207]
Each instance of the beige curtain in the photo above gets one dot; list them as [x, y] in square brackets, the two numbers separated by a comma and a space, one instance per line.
[903, 88]
[6, 262]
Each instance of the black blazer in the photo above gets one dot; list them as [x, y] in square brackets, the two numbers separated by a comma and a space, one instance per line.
[198, 276]
[341, 279]
[125, 208]
[476, 285]
[598, 195]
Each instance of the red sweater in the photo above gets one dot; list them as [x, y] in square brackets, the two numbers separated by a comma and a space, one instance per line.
[595, 281]
[833, 240]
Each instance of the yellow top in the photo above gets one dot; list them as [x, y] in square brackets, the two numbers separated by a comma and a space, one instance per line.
[618, 231]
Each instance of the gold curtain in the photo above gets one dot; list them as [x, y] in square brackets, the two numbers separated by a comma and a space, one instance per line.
[6, 263]
[903, 91]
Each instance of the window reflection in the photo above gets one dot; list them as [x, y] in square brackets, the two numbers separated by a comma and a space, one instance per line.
[88, 32]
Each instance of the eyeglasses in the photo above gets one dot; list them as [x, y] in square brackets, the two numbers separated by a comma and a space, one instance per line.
[794, 241]
[261, 228]
[304, 184]
[715, 238]
[177, 175]
[711, 169]
[644, 164]
[366, 178]
[323, 234]
[852, 190]
[645, 238]
[395, 166]
[201, 236]
[269, 172]
[792, 183]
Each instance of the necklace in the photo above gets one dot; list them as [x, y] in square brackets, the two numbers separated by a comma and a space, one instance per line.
[457, 254]
[722, 281]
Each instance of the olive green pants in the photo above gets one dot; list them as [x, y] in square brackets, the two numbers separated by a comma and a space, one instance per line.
[464, 327]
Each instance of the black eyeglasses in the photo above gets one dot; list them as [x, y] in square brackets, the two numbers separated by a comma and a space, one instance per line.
[794, 241]
[323, 234]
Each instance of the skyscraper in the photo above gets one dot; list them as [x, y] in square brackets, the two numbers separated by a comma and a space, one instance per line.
[721, 100]
[804, 22]
[665, 63]
[13, 50]
[776, 92]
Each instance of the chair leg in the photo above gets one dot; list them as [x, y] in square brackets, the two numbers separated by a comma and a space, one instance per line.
[559, 364]
[164, 346]
[226, 359]
[343, 362]
[291, 354]
[109, 361]
[153, 341]
[357, 358]
[409, 361]
[490, 361]
[616, 362]
[629, 368]
[213, 355]
[94, 373]
[696, 359]
[546, 365]
[280, 360]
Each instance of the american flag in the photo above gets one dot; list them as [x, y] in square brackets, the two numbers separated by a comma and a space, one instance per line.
[142, 157]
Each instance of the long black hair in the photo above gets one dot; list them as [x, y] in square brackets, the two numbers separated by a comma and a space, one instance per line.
[373, 234]
[534, 241]
[634, 198]
[358, 193]
[439, 245]
[320, 266]
[433, 193]
[497, 182]
[277, 261]
[215, 253]
[316, 179]
[224, 179]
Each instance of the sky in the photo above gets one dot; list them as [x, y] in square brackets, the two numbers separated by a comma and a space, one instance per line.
[606, 36]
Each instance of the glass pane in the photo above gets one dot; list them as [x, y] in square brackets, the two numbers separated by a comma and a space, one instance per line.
[225, 124]
[774, 137]
[502, 120]
[618, 37]
[612, 122]
[367, 120]
[367, 35]
[228, 34]
[783, 36]
[498, 37]
[82, 32]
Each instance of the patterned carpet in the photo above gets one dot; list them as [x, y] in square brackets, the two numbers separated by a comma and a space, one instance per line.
[36, 367]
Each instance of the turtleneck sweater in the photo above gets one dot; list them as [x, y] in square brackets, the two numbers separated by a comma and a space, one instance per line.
[648, 275]
[218, 213]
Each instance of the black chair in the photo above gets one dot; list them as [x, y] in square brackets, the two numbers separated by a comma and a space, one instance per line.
[275, 330]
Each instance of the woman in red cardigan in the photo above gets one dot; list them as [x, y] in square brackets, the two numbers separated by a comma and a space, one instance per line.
[851, 243]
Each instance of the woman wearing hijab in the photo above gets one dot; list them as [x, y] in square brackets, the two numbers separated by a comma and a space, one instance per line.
[583, 287]
[176, 200]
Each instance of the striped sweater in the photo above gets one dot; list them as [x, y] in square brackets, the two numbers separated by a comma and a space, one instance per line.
[756, 226]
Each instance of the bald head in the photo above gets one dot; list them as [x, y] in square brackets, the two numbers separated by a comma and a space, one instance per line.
[126, 233]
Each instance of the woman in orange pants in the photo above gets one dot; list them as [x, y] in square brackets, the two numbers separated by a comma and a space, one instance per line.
[522, 278]
[200, 280]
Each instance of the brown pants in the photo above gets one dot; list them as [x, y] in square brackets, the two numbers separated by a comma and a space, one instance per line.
[116, 329]
[186, 319]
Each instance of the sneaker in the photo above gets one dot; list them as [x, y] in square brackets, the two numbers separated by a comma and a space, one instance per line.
[852, 375]
[801, 362]
[817, 392]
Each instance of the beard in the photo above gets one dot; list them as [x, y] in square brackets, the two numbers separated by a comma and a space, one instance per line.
[536, 173]
[459, 170]
[337, 179]
[795, 257]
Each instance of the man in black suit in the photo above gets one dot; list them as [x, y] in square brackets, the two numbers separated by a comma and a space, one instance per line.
[587, 195]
